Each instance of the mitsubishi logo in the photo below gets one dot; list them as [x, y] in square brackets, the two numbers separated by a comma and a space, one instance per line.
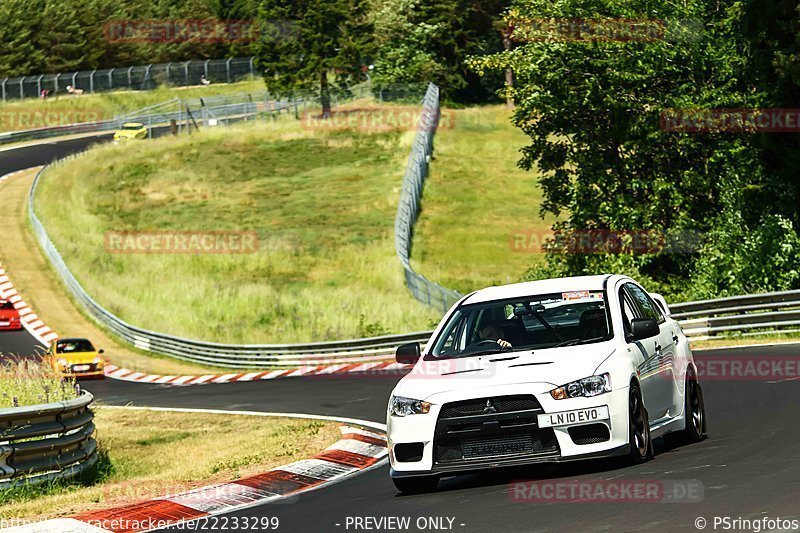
[489, 407]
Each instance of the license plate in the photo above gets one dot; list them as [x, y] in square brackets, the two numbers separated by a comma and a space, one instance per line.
[80, 368]
[4, 323]
[571, 418]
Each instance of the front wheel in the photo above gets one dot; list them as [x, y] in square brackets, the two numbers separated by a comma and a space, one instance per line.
[416, 484]
[694, 414]
[641, 444]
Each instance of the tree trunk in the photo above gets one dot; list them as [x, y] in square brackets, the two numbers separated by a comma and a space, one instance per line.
[324, 94]
[509, 72]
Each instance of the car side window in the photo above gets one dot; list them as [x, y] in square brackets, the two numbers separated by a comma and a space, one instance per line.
[647, 308]
[628, 310]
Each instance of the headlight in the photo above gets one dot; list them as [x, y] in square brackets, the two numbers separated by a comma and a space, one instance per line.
[62, 362]
[586, 387]
[97, 360]
[400, 406]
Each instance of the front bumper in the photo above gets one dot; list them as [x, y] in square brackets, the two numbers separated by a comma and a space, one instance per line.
[428, 430]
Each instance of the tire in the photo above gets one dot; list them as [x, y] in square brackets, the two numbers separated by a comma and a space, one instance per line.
[694, 409]
[639, 439]
[416, 484]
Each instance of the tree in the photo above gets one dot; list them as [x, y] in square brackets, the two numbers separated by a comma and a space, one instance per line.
[420, 41]
[593, 110]
[312, 43]
[18, 54]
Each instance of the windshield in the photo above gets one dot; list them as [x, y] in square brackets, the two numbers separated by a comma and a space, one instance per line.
[132, 127]
[530, 322]
[6, 305]
[72, 346]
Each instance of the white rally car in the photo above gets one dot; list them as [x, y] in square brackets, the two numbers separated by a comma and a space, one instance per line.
[543, 371]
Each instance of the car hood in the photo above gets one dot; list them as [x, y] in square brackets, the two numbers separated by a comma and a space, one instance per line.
[77, 358]
[545, 369]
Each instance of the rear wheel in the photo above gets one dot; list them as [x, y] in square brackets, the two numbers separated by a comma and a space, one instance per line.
[641, 446]
[416, 484]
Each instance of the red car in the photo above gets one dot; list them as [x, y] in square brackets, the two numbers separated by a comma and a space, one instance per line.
[9, 316]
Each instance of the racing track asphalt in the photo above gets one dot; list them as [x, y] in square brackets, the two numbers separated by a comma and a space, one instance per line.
[749, 466]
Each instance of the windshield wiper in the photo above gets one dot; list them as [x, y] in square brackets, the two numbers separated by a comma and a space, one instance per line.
[574, 342]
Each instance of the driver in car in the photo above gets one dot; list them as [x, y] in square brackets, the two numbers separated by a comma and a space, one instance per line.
[493, 332]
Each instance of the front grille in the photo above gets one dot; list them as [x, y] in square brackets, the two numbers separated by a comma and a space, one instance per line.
[497, 446]
[500, 404]
[467, 431]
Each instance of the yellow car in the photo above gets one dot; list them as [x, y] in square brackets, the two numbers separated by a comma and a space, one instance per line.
[77, 358]
[131, 131]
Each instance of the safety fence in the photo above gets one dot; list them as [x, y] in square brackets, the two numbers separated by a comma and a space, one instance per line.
[42, 443]
[408, 208]
[141, 77]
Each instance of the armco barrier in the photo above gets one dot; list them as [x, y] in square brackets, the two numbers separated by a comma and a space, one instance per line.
[41, 443]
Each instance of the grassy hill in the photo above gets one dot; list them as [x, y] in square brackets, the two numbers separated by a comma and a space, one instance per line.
[322, 202]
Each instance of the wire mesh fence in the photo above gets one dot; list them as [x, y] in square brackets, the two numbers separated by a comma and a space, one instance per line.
[408, 209]
[139, 78]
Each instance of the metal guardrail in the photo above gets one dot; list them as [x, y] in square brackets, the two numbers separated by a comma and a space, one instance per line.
[408, 208]
[752, 314]
[44, 442]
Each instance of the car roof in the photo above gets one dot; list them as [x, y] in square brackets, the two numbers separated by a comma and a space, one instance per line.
[133, 125]
[543, 286]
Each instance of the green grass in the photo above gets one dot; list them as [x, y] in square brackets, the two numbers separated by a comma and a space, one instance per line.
[476, 201]
[105, 106]
[143, 455]
[28, 382]
[323, 205]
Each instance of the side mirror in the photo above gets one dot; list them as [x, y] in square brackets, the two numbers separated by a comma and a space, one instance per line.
[407, 354]
[101, 352]
[643, 328]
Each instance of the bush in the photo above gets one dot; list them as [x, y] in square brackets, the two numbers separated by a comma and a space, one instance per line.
[740, 260]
